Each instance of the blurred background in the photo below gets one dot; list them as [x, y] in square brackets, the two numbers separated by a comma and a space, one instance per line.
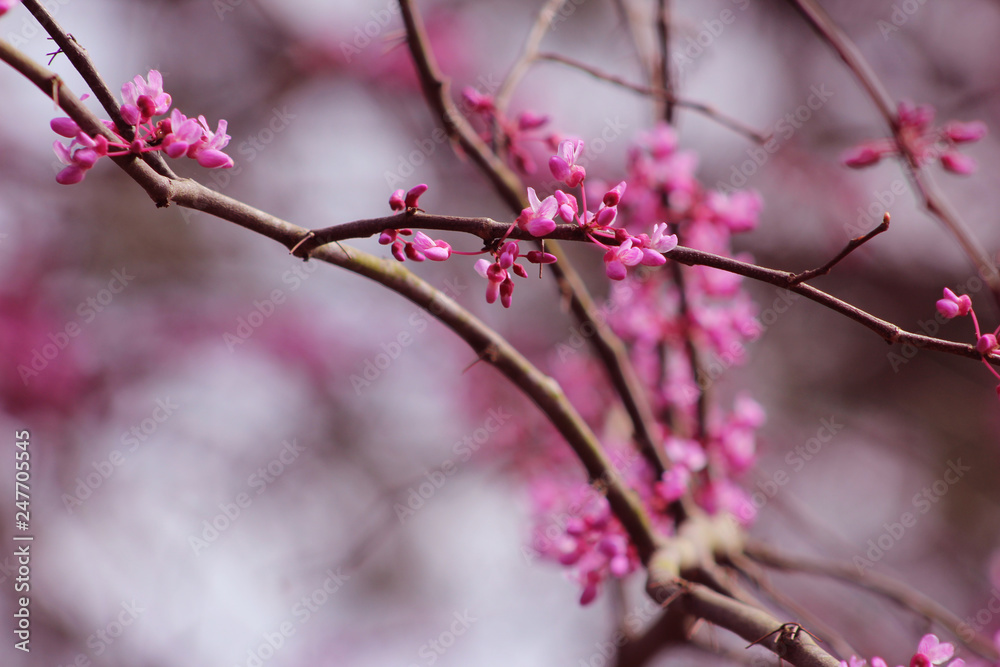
[222, 435]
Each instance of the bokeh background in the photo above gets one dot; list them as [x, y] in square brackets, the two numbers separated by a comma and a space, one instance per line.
[152, 421]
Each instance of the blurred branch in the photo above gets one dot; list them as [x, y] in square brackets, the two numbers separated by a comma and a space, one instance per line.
[879, 584]
[664, 81]
[528, 54]
[708, 111]
[934, 201]
[753, 572]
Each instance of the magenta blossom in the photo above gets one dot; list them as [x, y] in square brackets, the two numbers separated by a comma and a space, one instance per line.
[7, 5]
[144, 98]
[564, 165]
[537, 220]
[953, 305]
[79, 157]
[918, 138]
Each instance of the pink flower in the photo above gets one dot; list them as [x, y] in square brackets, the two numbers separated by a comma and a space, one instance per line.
[674, 483]
[537, 220]
[184, 133]
[6, 5]
[396, 201]
[930, 651]
[424, 247]
[986, 344]
[864, 155]
[495, 275]
[737, 211]
[661, 241]
[564, 165]
[618, 258]
[953, 305]
[920, 140]
[81, 159]
[208, 152]
[413, 196]
[144, 98]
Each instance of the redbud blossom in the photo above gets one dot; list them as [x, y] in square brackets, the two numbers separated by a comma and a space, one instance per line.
[414, 194]
[953, 305]
[396, 202]
[6, 5]
[65, 127]
[144, 98]
[986, 344]
[917, 138]
[564, 165]
[537, 219]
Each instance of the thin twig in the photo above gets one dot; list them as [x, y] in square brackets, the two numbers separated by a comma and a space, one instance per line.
[81, 61]
[880, 585]
[708, 111]
[529, 53]
[848, 249]
[934, 201]
[755, 574]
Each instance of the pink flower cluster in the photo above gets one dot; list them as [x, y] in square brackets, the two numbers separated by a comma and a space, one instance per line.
[919, 138]
[952, 305]
[177, 135]
[658, 317]
[422, 246]
[514, 135]
[930, 651]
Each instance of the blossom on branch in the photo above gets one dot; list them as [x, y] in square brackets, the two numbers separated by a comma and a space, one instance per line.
[177, 135]
[921, 141]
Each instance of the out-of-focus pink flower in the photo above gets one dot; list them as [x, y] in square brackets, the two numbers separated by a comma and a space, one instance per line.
[930, 651]
[918, 138]
[7, 5]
